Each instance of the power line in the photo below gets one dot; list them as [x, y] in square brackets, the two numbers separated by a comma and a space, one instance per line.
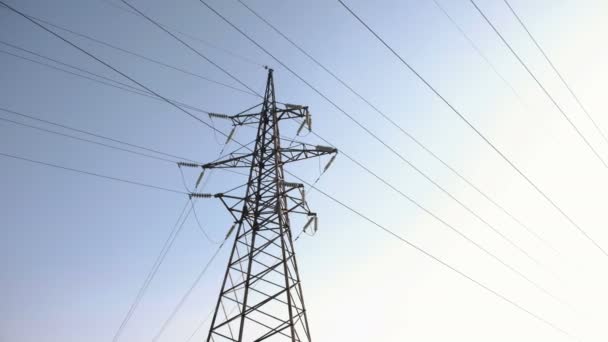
[200, 226]
[557, 71]
[437, 259]
[200, 325]
[198, 119]
[204, 270]
[55, 34]
[106, 64]
[91, 173]
[517, 95]
[144, 288]
[154, 270]
[483, 137]
[140, 56]
[181, 302]
[159, 261]
[190, 47]
[190, 36]
[464, 236]
[71, 66]
[86, 140]
[559, 108]
[399, 127]
[168, 243]
[146, 283]
[121, 86]
[477, 50]
[402, 240]
[103, 137]
[448, 225]
[470, 278]
[403, 159]
[161, 257]
[131, 88]
[32, 117]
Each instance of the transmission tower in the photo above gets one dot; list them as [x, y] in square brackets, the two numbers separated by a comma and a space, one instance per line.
[261, 296]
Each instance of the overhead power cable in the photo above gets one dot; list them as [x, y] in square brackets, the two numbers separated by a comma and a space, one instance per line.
[168, 243]
[12, 156]
[200, 226]
[480, 53]
[161, 257]
[437, 259]
[140, 56]
[200, 54]
[401, 157]
[71, 66]
[542, 87]
[190, 36]
[448, 225]
[97, 75]
[198, 119]
[118, 85]
[200, 325]
[65, 40]
[87, 140]
[180, 304]
[35, 118]
[157, 265]
[399, 127]
[185, 297]
[106, 138]
[462, 235]
[179, 224]
[478, 132]
[559, 74]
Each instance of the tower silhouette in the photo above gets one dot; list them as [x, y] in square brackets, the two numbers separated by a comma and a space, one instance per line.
[261, 296]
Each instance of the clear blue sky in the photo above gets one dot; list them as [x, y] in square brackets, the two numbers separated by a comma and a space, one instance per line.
[75, 248]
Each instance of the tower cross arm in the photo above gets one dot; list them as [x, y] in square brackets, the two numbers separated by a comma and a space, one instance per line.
[293, 112]
[289, 112]
[233, 162]
[301, 151]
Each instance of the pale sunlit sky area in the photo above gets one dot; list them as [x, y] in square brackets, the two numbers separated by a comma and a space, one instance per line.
[75, 248]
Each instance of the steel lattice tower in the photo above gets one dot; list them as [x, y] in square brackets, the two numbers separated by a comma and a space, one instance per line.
[261, 296]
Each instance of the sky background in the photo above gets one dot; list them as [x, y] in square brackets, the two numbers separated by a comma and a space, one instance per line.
[75, 249]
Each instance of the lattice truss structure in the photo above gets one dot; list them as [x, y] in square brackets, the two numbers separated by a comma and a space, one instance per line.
[261, 297]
